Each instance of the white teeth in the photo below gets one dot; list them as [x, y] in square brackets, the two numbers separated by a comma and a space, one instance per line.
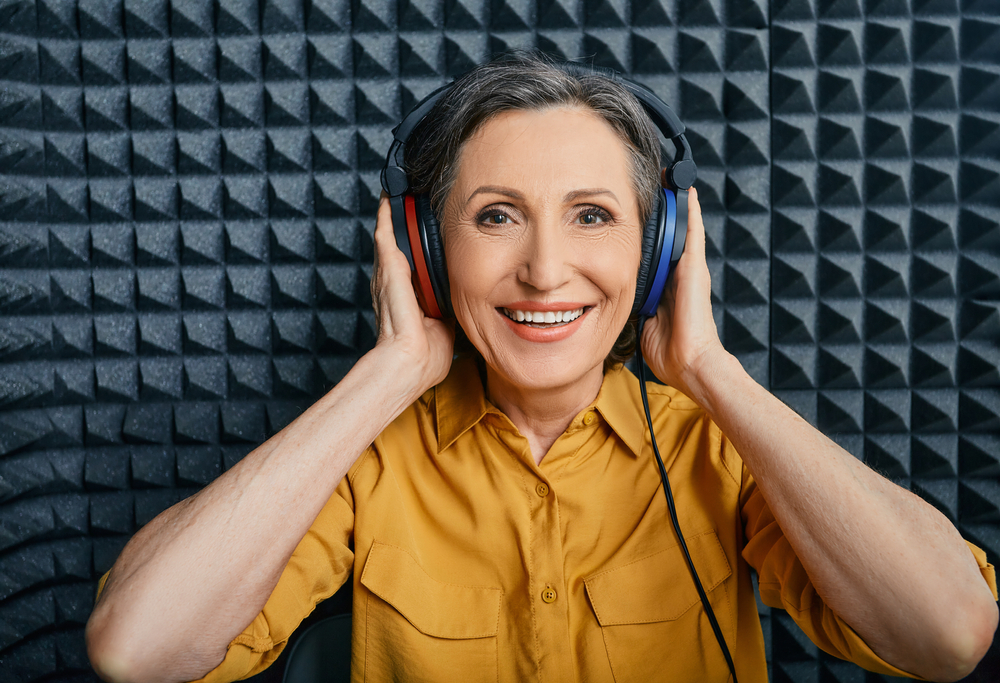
[548, 317]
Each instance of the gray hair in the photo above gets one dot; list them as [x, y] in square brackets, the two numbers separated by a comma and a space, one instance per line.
[528, 81]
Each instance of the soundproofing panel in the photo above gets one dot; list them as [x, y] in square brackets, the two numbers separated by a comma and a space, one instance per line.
[884, 270]
[187, 198]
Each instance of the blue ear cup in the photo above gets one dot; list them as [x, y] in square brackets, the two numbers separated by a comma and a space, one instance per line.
[667, 249]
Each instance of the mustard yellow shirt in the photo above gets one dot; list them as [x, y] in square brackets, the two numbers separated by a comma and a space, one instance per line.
[471, 563]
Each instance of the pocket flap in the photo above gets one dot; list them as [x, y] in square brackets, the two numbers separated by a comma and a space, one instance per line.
[658, 587]
[442, 610]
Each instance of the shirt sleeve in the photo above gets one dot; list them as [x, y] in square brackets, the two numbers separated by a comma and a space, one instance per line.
[784, 584]
[318, 567]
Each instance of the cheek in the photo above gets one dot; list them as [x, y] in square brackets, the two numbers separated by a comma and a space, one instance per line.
[475, 269]
[615, 266]
[465, 268]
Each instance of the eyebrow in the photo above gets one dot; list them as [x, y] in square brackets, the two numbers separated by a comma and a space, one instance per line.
[494, 189]
[514, 194]
[589, 192]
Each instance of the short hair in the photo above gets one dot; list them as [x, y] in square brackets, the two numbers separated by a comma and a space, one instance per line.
[531, 81]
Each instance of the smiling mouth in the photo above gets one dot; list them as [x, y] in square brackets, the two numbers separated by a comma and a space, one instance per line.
[542, 319]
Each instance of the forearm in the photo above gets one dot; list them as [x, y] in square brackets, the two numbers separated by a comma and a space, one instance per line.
[194, 577]
[888, 563]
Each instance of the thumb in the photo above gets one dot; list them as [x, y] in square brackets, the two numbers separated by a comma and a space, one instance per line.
[695, 228]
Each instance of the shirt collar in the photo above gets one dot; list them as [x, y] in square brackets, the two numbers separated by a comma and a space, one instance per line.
[460, 402]
[620, 404]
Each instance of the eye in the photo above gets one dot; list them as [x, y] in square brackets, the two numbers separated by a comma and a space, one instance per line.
[494, 216]
[593, 215]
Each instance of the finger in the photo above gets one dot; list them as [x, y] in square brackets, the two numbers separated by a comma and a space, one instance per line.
[386, 247]
[393, 297]
[696, 227]
[384, 236]
[373, 284]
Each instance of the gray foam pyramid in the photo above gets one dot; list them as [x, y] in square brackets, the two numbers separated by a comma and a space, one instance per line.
[187, 195]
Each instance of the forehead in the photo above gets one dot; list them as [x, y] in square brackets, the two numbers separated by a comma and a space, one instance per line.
[563, 148]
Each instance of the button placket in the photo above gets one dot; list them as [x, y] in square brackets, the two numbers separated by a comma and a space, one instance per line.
[547, 559]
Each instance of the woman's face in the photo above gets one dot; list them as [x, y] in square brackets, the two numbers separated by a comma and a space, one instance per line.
[543, 222]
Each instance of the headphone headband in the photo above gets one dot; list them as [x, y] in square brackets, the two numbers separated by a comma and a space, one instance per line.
[681, 173]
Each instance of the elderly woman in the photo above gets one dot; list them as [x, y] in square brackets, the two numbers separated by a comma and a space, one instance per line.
[499, 512]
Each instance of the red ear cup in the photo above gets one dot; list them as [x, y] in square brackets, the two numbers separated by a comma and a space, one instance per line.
[430, 233]
[421, 276]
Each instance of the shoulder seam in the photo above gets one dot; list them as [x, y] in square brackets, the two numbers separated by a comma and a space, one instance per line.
[356, 467]
[723, 447]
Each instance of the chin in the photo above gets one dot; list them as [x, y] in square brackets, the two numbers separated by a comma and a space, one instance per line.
[546, 370]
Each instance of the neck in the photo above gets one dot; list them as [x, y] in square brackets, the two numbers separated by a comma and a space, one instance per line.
[542, 415]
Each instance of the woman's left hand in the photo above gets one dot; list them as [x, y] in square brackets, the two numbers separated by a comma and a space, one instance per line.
[681, 340]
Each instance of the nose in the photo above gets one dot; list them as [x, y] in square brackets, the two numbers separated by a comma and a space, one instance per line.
[545, 265]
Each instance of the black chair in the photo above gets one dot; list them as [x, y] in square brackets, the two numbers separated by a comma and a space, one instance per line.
[322, 654]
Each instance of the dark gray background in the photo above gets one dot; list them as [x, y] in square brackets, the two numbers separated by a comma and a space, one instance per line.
[187, 194]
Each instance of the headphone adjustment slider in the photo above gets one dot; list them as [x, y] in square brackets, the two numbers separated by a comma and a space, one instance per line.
[394, 181]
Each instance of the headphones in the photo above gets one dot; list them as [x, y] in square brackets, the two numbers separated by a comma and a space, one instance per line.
[418, 232]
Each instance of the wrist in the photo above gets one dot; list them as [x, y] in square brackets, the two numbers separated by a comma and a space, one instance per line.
[402, 370]
[713, 371]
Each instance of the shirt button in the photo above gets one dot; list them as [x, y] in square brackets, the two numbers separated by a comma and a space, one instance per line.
[542, 489]
[588, 419]
[549, 595]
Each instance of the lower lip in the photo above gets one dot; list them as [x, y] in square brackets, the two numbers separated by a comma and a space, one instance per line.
[544, 334]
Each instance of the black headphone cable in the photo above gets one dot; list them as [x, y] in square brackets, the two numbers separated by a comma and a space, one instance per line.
[673, 511]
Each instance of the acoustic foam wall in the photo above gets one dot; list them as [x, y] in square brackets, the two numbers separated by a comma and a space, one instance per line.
[885, 139]
[187, 194]
[885, 192]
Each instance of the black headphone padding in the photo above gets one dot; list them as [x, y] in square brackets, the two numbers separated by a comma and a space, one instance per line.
[434, 250]
[651, 232]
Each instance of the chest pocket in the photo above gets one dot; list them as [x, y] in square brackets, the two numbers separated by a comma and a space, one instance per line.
[653, 622]
[422, 629]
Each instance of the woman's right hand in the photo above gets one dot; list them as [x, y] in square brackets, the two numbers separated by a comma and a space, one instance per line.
[425, 345]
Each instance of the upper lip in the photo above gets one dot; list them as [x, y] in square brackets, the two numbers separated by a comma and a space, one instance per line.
[543, 307]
